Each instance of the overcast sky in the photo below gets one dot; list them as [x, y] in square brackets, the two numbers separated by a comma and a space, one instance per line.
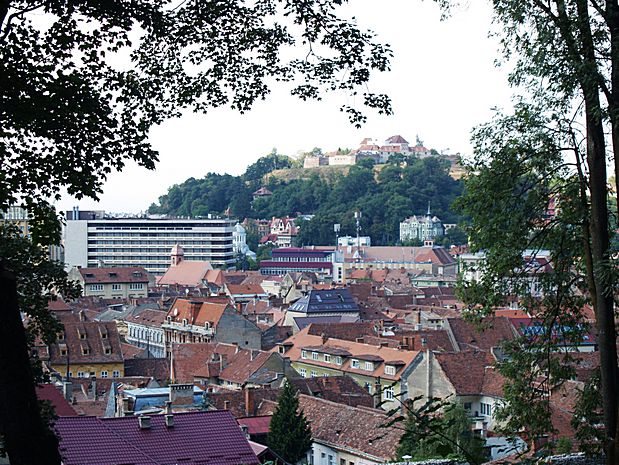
[442, 83]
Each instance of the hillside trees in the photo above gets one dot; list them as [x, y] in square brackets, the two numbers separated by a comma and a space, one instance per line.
[566, 57]
[385, 197]
[70, 113]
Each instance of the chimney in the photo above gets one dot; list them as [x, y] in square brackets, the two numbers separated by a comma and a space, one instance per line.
[249, 402]
[429, 357]
[67, 390]
[124, 406]
[93, 388]
[169, 421]
[81, 315]
[168, 407]
[226, 405]
[144, 422]
[377, 392]
[181, 394]
[222, 361]
[324, 338]
[359, 340]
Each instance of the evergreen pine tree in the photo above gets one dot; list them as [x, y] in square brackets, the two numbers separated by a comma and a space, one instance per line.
[290, 435]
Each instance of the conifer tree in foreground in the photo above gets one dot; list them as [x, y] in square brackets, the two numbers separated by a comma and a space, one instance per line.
[289, 433]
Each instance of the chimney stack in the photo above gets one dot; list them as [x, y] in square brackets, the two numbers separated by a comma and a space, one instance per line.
[67, 390]
[144, 422]
[249, 402]
[377, 392]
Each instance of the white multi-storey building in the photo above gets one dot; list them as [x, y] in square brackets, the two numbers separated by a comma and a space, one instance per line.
[93, 240]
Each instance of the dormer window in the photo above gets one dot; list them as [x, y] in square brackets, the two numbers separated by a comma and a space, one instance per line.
[304, 354]
[207, 325]
[338, 360]
[113, 274]
[354, 363]
[184, 322]
[389, 370]
[85, 351]
[314, 355]
[169, 319]
[369, 366]
[108, 351]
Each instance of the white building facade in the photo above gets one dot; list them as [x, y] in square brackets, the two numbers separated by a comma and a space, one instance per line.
[146, 242]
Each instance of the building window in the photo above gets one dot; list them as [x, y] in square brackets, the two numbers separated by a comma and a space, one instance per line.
[388, 393]
[104, 373]
[467, 406]
[85, 351]
[63, 352]
[369, 366]
[96, 287]
[327, 358]
[338, 360]
[389, 370]
[313, 374]
[331, 460]
[303, 372]
[314, 355]
[486, 409]
[117, 287]
[116, 374]
[136, 286]
[354, 363]
[80, 374]
[108, 351]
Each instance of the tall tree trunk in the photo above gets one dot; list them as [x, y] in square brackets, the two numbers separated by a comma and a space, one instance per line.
[612, 20]
[600, 240]
[26, 439]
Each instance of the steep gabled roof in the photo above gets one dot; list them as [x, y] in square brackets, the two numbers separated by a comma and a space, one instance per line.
[186, 273]
[359, 429]
[490, 334]
[197, 312]
[467, 372]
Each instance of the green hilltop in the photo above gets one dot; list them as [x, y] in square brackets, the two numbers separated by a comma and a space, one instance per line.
[385, 194]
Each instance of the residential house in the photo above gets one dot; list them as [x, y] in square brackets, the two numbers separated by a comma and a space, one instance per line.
[262, 192]
[345, 435]
[206, 320]
[468, 377]
[155, 439]
[244, 293]
[485, 336]
[381, 370]
[285, 231]
[228, 366]
[319, 303]
[144, 330]
[112, 283]
[421, 228]
[85, 349]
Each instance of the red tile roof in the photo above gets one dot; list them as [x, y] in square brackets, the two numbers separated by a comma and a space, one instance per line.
[472, 380]
[197, 312]
[87, 342]
[490, 334]
[186, 273]
[129, 274]
[51, 393]
[212, 438]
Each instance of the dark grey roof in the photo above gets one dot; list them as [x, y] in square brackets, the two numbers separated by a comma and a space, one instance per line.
[326, 301]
